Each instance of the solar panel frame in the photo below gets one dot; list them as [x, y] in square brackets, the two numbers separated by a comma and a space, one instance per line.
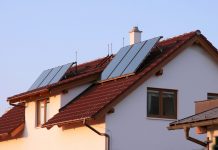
[40, 79]
[127, 59]
[115, 62]
[141, 55]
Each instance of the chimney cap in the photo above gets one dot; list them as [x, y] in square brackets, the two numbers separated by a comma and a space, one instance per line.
[135, 29]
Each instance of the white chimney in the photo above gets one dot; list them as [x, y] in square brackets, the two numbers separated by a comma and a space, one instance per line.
[135, 35]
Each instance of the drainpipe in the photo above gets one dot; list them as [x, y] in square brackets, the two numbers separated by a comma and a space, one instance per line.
[107, 144]
[193, 139]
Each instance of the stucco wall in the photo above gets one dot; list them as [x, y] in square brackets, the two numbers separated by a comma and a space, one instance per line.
[66, 98]
[193, 73]
[57, 139]
[36, 138]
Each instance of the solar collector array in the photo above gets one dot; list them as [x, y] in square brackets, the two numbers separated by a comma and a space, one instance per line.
[115, 62]
[141, 55]
[128, 59]
[50, 76]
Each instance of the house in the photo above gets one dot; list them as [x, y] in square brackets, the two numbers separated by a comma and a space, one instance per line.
[205, 120]
[122, 101]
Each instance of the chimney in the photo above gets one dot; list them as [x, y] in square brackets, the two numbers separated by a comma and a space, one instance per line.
[135, 35]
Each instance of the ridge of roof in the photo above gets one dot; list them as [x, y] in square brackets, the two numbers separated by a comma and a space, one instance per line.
[184, 35]
[88, 106]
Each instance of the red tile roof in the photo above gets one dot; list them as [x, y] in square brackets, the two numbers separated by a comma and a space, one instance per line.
[102, 95]
[84, 71]
[11, 120]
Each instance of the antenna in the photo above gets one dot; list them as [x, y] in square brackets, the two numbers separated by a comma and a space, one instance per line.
[123, 41]
[111, 49]
[76, 61]
[108, 49]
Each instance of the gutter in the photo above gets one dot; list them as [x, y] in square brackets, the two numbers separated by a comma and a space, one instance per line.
[204, 144]
[16, 105]
[107, 144]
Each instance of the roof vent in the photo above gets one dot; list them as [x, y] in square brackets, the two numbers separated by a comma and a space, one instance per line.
[135, 35]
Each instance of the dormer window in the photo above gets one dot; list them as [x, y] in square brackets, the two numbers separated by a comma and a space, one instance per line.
[162, 103]
[41, 112]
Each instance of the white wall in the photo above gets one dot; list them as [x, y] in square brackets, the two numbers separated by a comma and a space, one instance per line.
[36, 138]
[72, 93]
[193, 73]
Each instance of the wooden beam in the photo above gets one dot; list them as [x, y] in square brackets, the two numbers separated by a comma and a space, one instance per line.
[213, 52]
[17, 130]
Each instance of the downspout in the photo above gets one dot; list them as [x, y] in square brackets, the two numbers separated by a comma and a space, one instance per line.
[107, 144]
[193, 139]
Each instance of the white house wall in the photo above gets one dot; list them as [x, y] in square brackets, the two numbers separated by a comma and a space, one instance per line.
[72, 93]
[193, 73]
[57, 139]
[36, 138]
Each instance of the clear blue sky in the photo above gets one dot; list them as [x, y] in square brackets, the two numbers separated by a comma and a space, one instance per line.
[37, 35]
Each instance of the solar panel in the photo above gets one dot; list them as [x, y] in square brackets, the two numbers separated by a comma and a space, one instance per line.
[129, 59]
[60, 74]
[40, 79]
[141, 56]
[50, 76]
[126, 60]
[115, 62]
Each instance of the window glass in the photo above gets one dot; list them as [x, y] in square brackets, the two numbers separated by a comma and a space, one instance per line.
[42, 116]
[41, 112]
[47, 110]
[153, 103]
[168, 103]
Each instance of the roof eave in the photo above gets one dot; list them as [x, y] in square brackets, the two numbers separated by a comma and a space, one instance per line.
[193, 124]
[63, 123]
[51, 91]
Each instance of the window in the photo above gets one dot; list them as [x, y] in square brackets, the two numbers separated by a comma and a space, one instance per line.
[41, 112]
[162, 103]
[212, 95]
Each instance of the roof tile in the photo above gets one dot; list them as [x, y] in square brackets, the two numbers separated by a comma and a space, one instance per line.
[12, 119]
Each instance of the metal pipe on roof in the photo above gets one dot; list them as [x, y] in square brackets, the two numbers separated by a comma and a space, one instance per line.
[107, 136]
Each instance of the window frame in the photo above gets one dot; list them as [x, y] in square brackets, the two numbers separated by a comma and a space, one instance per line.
[161, 91]
[212, 95]
[38, 112]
